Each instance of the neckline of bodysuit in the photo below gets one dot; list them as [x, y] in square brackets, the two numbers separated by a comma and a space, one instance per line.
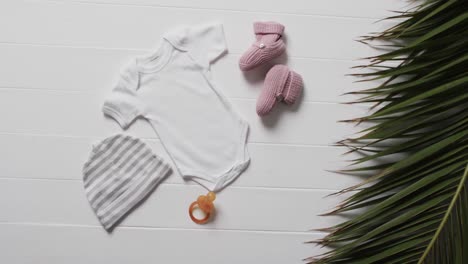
[156, 61]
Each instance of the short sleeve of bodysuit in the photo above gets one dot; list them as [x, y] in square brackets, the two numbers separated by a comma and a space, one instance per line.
[123, 104]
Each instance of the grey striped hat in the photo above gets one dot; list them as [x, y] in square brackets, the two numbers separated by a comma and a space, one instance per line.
[120, 172]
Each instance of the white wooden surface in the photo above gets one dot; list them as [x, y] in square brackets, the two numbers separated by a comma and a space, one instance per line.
[58, 59]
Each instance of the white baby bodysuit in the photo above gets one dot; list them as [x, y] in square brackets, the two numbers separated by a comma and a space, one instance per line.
[173, 90]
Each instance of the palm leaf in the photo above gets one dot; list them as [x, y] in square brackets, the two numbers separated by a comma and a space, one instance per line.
[413, 209]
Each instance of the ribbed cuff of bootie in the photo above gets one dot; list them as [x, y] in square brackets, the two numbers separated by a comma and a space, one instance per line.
[268, 28]
[294, 88]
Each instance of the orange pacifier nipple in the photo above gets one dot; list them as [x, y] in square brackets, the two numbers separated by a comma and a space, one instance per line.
[204, 203]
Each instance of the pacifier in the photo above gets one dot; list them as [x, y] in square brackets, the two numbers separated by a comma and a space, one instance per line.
[205, 204]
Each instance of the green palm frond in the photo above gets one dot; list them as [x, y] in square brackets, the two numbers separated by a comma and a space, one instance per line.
[414, 206]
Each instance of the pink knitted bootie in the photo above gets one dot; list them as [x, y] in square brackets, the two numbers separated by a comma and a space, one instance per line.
[269, 45]
[281, 85]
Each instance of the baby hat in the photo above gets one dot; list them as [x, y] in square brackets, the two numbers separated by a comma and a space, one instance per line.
[120, 172]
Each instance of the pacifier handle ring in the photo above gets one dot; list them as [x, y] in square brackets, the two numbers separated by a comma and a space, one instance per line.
[194, 219]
